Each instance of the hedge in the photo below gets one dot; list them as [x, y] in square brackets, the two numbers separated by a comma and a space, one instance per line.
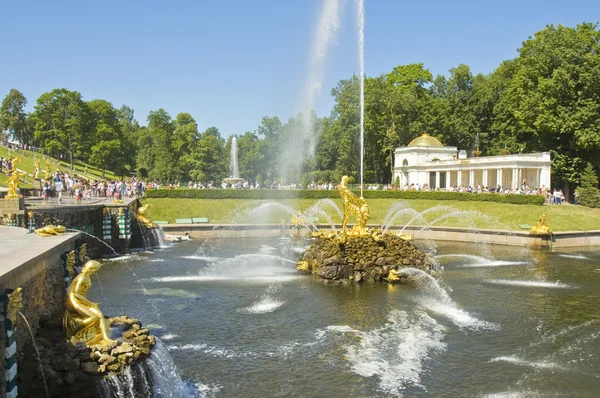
[274, 194]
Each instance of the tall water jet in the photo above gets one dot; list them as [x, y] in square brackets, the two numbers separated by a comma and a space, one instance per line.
[361, 59]
[233, 161]
[301, 143]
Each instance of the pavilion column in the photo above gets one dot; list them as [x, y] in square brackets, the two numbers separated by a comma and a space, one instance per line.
[499, 177]
[459, 178]
[538, 177]
[484, 178]
[447, 179]
[471, 178]
[437, 179]
[515, 177]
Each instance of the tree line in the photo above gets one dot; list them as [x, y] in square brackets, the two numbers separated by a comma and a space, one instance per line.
[545, 99]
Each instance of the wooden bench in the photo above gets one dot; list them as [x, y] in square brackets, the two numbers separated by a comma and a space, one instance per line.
[524, 226]
[161, 222]
[200, 220]
[183, 221]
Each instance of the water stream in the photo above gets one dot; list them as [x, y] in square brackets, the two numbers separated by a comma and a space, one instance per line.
[37, 353]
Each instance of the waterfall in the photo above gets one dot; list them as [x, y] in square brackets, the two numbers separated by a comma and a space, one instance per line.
[233, 162]
[155, 375]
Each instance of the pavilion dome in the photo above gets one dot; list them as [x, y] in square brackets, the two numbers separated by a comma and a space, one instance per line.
[425, 140]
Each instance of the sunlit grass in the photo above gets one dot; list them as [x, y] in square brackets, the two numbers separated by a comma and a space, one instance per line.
[27, 164]
[500, 216]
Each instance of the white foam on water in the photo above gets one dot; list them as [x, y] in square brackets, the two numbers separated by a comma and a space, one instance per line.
[203, 258]
[397, 352]
[298, 250]
[157, 260]
[478, 261]
[509, 282]
[460, 318]
[210, 350]
[207, 391]
[436, 299]
[265, 249]
[574, 256]
[522, 362]
[169, 336]
[263, 306]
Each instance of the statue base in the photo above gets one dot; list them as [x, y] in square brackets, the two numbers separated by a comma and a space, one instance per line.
[363, 258]
[12, 204]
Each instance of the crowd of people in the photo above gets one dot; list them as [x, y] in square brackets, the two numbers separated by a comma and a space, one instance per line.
[62, 184]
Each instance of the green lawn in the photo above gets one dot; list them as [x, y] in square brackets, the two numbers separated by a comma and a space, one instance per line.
[27, 164]
[468, 214]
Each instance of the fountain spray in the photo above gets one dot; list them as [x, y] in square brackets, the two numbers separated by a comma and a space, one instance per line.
[361, 56]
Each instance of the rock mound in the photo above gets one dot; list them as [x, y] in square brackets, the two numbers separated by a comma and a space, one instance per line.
[368, 258]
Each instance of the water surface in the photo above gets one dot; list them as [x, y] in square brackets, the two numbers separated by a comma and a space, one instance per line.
[239, 321]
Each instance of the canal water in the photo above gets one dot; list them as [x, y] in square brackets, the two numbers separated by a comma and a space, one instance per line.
[239, 321]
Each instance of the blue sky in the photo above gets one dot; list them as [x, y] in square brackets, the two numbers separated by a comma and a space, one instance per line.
[231, 62]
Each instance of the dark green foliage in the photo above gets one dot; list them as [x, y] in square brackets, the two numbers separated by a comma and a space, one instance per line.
[588, 192]
[274, 194]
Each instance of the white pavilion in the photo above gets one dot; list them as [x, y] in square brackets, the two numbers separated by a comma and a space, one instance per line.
[426, 161]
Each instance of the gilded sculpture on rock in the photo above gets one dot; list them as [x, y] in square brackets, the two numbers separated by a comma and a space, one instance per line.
[143, 217]
[83, 321]
[353, 205]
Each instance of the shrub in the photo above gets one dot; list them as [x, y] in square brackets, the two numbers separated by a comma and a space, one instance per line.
[333, 194]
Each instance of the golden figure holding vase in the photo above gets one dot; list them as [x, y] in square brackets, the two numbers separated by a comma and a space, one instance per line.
[83, 321]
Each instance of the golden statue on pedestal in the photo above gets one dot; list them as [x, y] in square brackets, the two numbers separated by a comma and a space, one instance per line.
[37, 169]
[13, 180]
[353, 205]
[541, 228]
[83, 321]
[141, 215]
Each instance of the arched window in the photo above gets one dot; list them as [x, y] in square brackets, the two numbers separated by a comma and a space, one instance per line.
[405, 162]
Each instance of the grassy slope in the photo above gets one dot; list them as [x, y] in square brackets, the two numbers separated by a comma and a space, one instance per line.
[499, 215]
[27, 164]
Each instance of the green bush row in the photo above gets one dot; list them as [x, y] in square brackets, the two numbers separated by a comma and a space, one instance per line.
[274, 194]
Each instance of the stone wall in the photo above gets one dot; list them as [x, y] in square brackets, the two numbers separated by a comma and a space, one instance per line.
[44, 296]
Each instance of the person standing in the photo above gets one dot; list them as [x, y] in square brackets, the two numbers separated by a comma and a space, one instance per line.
[58, 186]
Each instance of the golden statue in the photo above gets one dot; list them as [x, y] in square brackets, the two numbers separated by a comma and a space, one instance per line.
[47, 169]
[141, 215]
[37, 169]
[83, 321]
[82, 252]
[50, 230]
[15, 303]
[13, 180]
[393, 276]
[70, 263]
[541, 228]
[353, 205]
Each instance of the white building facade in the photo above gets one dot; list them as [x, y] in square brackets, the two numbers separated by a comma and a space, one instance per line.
[425, 161]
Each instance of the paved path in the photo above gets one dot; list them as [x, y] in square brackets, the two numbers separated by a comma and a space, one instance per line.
[18, 247]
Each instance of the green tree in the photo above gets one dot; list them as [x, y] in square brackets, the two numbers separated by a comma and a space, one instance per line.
[588, 190]
[107, 150]
[61, 123]
[553, 97]
[14, 119]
